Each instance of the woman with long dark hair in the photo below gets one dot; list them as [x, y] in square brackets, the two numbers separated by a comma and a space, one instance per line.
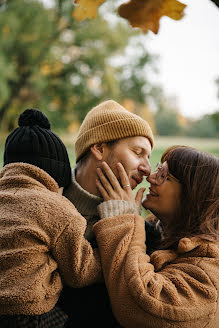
[178, 284]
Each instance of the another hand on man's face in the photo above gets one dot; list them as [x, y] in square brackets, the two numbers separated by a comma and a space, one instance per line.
[133, 153]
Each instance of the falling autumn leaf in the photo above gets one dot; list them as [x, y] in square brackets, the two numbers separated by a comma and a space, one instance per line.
[146, 14]
[86, 9]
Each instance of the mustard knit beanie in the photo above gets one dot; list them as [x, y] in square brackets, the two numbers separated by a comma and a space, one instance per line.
[107, 122]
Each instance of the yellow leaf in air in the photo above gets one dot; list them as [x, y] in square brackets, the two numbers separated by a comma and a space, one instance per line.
[146, 14]
[86, 9]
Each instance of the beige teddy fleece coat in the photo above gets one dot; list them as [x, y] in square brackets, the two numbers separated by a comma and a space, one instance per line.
[41, 242]
[169, 289]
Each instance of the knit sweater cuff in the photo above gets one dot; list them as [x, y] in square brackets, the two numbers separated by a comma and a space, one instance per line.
[116, 207]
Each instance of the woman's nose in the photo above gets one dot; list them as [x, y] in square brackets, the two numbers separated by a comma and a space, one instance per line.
[152, 178]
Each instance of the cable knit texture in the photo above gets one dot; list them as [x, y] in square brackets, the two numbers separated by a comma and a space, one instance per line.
[116, 207]
[169, 289]
[41, 242]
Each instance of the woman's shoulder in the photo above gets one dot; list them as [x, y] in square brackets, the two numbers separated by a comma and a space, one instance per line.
[190, 250]
[200, 245]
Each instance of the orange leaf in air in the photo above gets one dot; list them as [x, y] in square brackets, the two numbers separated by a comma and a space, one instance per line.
[146, 14]
[86, 9]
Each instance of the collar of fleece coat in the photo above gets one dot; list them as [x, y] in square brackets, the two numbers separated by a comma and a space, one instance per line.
[25, 173]
[85, 202]
[162, 257]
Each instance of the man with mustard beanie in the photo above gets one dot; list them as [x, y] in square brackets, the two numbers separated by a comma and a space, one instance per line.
[112, 134]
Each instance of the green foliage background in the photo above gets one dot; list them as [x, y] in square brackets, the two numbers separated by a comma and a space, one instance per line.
[53, 63]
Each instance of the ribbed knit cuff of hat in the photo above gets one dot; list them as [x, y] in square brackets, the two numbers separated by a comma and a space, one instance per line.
[116, 207]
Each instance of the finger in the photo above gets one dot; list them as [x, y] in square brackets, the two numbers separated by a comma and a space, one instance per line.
[111, 176]
[102, 190]
[105, 182]
[123, 177]
[143, 203]
[139, 196]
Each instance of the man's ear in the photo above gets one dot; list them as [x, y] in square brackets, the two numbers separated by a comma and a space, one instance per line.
[97, 150]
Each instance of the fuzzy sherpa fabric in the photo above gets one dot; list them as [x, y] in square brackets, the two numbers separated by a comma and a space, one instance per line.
[42, 242]
[169, 289]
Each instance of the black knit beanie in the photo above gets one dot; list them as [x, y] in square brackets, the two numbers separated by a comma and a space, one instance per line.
[33, 142]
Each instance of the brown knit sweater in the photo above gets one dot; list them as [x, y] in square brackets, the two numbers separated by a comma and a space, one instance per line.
[41, 242]
[169, 289]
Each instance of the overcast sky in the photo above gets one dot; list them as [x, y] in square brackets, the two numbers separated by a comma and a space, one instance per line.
[189, 51]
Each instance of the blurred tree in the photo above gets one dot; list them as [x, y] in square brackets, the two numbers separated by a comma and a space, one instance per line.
[21, 47]
[217, 83]
[50, 61]
[202, 128]
[215, 119]
[168, 120]
[167, 124]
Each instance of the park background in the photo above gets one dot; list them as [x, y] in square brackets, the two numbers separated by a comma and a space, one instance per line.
[51, 61]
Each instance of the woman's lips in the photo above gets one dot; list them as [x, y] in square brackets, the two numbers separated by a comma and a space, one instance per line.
[152, 192]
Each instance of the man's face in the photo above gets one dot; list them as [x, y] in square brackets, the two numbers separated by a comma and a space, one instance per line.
[133, 153]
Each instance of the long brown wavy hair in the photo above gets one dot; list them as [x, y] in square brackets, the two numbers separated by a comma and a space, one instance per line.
[198, 173]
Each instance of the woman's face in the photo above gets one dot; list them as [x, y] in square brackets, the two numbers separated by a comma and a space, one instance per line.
[163, 199]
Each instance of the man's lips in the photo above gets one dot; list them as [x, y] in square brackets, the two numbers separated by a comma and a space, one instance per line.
[138, 180]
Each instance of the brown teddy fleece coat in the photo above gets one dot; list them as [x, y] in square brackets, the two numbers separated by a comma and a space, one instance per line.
[169, 289]
[41, 242]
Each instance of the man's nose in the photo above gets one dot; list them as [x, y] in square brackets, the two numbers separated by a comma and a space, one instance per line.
[145, 168]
